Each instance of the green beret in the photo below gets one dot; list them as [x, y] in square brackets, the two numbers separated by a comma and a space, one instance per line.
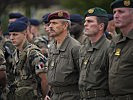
[99, 12]
[122, 3]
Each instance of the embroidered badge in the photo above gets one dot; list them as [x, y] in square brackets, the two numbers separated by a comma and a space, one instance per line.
[91, 11]
[126, 2]
[60, 14]
[117, 52]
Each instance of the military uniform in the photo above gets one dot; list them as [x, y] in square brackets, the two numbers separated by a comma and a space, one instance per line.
[2, 69]
[63, 70]
[31, 62]
[121, 54]
[121, 62]
[42, 43]
[94, 70]
[30, 67]
[93, 60]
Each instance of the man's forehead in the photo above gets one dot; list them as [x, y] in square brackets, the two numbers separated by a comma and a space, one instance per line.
[90, 17]
[56, 20]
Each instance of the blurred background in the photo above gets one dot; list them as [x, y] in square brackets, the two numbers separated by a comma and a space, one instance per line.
[37, 8]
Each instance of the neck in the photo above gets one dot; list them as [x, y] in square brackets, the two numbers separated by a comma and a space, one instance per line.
[20, 47]
[96, 37]
[61, 37]
[126, 30]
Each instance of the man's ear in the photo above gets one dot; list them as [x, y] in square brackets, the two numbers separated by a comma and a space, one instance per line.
[101, 26]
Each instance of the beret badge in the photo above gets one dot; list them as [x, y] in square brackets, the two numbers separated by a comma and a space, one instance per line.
[60, 14]
[90, 11]
[126, 2]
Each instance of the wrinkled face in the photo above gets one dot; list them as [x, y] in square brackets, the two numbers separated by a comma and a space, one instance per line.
[17, 38]
[91, 26]
[56, 27]
[123, 17]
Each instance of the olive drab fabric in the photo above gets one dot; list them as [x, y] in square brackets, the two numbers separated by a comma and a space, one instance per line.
[93, 62]
[31, 62]
[121, 65]
[63, 70]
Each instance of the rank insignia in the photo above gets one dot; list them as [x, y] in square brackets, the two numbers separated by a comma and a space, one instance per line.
[52, 63]
[126, 2]
[117, 52]
[85, 62]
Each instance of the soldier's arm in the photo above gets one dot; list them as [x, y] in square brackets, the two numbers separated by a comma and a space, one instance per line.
[44, 84]
[39, 61]
[2, 70]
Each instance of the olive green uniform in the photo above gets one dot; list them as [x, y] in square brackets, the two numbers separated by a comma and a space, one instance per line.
[93, 81]
[63, 70]
[31, 62]
[121, 67]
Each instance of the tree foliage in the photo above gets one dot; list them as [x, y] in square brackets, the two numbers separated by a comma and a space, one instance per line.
[80, 6]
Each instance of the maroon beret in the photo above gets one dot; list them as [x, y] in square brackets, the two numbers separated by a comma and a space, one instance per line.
[61, 14]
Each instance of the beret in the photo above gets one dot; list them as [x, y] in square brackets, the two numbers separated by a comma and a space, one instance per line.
[99, 12]
[17, 26]
[34, 22]
[122, 3]
[45, 18]
[15, 15]
[61, 14]
[76, 18]
[23, 19]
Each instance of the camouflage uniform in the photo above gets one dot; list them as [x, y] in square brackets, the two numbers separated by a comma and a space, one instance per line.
[42, 43]
[2, 69]
[63, 70]
[31, 62]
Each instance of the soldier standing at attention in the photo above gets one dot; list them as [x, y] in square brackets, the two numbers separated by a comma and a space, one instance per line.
[121, 52]
[63, 69]
[30, 80]
[93, 81]
[77, 28]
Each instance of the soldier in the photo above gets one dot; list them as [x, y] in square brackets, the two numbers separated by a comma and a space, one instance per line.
[63, 70]
[93, 81]
[47, 29]
[77, 27]
[42, 43]
[29, 34]
[121, 52]
[30, 80]
[34, 23]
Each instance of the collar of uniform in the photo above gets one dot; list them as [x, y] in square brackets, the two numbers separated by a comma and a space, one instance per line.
[100, 42]
[130, 34]
[62, 47]
[25, 44]
[65, 43]
[119, 38]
